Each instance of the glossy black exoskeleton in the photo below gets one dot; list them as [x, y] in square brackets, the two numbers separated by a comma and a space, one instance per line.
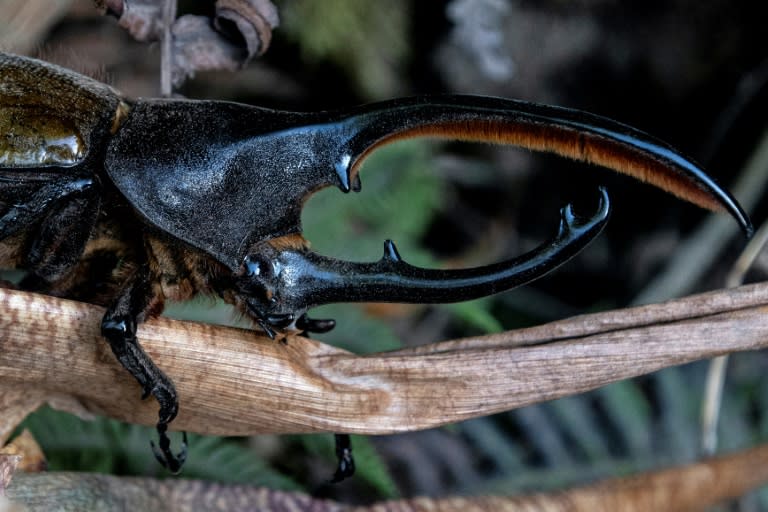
[129, 203]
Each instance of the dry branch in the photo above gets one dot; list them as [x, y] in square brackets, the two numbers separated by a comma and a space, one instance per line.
[686, 488]
[236, 382]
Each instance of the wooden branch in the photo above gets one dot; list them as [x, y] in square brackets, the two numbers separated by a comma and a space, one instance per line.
[693, 487]
[236, 382]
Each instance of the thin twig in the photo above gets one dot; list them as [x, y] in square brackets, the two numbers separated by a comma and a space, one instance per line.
[166, 57]
[715, 382]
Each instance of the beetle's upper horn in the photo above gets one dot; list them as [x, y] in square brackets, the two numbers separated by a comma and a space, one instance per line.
[571, 133]
[310, 279]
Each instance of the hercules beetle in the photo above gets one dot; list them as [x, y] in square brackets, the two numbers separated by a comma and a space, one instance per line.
[129, 203]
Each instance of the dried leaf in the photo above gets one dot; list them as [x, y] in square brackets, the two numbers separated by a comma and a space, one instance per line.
[198, 47]
[239, 31]
[253, 19]
[110, 7]
[25, 446]
[143, 19]
[8, 464]
[16, 403]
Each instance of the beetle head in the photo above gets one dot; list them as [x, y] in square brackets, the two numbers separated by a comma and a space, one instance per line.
[259, 287]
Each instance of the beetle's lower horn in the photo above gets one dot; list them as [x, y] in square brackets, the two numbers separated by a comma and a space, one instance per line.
[316, 279]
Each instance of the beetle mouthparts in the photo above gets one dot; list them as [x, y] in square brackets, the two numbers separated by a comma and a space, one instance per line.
[269, 322]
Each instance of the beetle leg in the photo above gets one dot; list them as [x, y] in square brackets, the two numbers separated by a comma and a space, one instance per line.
[62, 235]
[346, 463]
[118, 326]
[71, 206]
[24, 211]
[306, 324]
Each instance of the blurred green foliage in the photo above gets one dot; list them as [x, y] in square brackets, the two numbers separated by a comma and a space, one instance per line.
[109, 446]
[368, 40]
[370, 468]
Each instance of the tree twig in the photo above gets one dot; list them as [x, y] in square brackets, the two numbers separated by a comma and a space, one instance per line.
[686, 488]
[236, 382]
[166, 45]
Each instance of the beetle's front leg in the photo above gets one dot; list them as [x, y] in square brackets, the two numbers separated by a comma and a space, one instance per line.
[139, 294]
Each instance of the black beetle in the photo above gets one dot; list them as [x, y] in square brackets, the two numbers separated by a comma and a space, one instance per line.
[129, 203]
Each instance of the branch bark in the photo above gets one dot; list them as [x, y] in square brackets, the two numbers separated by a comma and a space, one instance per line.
[685, 488]
[236, 382]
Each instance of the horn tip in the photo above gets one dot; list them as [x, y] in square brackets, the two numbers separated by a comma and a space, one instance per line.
[569, 219]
